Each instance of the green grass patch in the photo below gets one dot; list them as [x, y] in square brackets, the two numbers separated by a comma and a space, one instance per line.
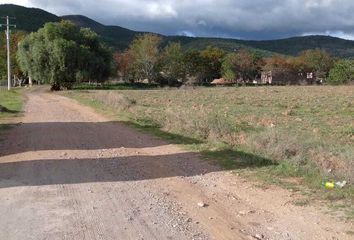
[12, 100]
[11, 105]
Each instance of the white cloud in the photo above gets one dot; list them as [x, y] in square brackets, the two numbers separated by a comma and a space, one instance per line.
[18, 2]
[186, 33]
[161, 10]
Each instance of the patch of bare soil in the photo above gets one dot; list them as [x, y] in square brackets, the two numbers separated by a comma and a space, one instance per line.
[68, 173]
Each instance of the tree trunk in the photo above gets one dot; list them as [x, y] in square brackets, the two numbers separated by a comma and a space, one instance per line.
[30, 81]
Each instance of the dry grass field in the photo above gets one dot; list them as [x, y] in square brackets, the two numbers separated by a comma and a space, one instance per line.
[297, 131]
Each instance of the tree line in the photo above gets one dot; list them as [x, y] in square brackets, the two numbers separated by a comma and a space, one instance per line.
[62, 54]
[145, 60]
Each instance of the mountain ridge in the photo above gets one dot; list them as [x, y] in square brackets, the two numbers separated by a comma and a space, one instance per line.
[115, 36]
[119, 38]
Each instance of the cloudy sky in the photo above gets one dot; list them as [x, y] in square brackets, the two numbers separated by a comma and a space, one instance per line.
[245, 19]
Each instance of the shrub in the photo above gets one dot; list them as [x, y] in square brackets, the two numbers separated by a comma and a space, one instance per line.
[342, 72]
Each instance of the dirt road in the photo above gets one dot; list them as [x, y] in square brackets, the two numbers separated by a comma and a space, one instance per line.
[68, 173]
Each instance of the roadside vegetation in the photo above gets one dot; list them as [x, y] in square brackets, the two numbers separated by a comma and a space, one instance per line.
[10, 106]
[271, 132]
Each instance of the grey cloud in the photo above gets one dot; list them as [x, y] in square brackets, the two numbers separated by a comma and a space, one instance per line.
[257, 19]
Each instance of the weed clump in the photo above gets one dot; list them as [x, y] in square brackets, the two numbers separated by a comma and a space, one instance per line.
[114, 100]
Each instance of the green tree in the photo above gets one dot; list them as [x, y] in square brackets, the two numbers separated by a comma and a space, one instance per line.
[192, 62]
[62, 54]
[144, 50]
[171, 63]
[315, 60]
[203, 66]
[342, 72]
[228, 71]
[243, 65]
[211, 63]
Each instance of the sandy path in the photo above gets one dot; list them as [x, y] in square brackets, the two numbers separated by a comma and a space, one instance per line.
[68, 173]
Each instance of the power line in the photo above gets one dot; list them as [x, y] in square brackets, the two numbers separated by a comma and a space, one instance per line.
[7, 32]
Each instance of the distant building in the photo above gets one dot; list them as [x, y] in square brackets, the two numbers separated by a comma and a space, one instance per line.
[288, 78]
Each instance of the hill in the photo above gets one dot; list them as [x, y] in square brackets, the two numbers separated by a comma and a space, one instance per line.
[31, 19]
[292, 46]
[27, 19]
[115, 36]
[337, 47]
[120, 38]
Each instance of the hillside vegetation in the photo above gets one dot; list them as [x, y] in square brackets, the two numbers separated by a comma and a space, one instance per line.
[27, 19]
[114, 36]
[293, 46]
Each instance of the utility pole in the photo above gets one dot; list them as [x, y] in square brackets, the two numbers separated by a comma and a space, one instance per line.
[7, 31]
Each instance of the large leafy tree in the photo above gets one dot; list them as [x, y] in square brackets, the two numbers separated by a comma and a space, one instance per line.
[124, 65]
[203, 66]
[62, 54]
[228, 70]
[193, 64]
[243, 65]
[247, 65]
[144, 51]
[212, 59]
[171, 63]
[314, 60]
